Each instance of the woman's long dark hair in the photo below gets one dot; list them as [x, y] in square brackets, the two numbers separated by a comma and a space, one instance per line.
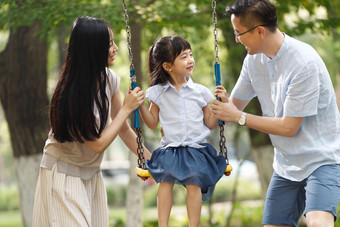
[82, 83]
[165, 49]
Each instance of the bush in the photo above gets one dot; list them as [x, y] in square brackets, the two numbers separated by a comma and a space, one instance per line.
[111, 196]
[150, 196]
[247, 216]
[116, 196]
[179, 195]
[245, 191]
[222, 191]
[9, 199]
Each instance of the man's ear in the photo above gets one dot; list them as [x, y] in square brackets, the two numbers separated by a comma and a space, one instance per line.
[262, 31]
[167, 66]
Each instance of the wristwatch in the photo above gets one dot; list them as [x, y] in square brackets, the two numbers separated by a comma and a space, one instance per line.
[242, 119]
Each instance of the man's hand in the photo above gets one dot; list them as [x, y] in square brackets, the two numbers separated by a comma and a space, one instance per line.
[225, 111]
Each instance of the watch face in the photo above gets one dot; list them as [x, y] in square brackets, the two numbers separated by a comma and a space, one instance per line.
[242, 119]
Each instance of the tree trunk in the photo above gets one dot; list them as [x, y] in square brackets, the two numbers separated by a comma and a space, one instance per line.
[337, 92]
[23, 95]
[27, 171]
[263, 157]
[134, 201]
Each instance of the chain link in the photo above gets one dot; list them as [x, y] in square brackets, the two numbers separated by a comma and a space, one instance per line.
[128, 34]
[223, 148]
[140, 149]
[214, 15]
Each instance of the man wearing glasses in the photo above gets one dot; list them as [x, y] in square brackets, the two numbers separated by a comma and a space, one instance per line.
[299, 113]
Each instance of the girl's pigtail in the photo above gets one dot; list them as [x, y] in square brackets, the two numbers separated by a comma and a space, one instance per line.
[153, 71]
[151, 64]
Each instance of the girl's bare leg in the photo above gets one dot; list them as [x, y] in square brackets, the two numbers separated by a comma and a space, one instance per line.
[194, 204]
[164, 203]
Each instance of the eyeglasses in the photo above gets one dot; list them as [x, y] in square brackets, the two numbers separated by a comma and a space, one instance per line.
[238, 35]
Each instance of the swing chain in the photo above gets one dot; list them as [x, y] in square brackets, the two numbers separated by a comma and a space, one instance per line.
[214, 15]
[139, 140]
[140, 149]
[223, 148]
[128, 33]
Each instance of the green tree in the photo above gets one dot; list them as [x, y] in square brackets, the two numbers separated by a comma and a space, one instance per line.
[31, 22]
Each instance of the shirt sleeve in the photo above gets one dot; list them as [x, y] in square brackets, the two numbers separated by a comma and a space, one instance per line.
[243, 89]
[303, 92]
[113, 81]
[153, 93]
[206, 95]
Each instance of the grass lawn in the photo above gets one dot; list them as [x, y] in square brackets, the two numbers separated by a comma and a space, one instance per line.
[10, 219]
[244, 215]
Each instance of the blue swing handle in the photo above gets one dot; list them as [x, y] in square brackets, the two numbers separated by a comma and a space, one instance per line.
[133, 86]
[217, 71]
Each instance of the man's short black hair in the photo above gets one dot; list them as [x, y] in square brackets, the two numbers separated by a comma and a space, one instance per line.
[254, 12]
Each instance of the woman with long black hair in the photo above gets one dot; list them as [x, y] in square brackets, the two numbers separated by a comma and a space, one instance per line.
[70, 189]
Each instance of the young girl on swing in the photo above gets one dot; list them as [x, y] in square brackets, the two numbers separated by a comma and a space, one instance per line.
[181, 107]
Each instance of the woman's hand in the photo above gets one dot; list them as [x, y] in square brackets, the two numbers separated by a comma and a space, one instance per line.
[221, 93]
[133, 99]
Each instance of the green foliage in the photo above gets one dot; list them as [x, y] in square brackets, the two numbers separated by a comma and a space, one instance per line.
[222, 191]
[116, 195]
[117, 223]
[246, 191]
[150, 196]
[9, 199]
[10, 219]
[53, 13]
[328, 50]
[247, 216]
[313, 20]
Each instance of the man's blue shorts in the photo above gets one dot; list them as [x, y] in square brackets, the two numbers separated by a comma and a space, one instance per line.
[286, 200]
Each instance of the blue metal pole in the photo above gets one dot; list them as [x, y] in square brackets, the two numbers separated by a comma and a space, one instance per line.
[133, 86]
[217, 71]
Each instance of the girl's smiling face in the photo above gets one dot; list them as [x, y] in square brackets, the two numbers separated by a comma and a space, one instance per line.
[184, 64]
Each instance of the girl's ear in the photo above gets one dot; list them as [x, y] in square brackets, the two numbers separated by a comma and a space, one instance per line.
[167, 66]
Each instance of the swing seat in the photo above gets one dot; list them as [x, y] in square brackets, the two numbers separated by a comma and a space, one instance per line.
[228, 170]
[143, 173]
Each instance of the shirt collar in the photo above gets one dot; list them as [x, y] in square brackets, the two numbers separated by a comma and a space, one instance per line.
[189, 84]
[282, 50]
